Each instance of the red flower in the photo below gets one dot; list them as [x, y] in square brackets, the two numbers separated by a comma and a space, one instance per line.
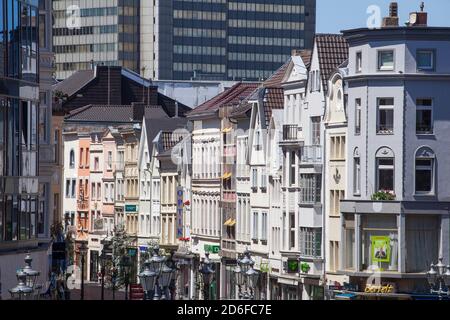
[187, 203]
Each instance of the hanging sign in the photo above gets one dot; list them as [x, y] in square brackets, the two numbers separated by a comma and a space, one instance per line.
[180, 206]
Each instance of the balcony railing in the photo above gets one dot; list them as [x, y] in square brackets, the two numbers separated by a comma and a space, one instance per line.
[229, 196]
[291, 132]
[229, 151]
[311, 154]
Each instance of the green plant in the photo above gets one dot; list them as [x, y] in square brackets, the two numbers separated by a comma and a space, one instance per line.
[305, 267]
[383, 196]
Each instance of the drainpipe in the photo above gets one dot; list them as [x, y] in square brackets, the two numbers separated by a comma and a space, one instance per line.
[324, 204]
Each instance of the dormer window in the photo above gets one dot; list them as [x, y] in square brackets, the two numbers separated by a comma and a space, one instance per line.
[386, 60]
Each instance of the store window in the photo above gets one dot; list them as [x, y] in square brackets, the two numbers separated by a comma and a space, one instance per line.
[379, 239]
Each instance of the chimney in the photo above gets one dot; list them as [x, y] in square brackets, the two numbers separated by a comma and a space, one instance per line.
[392, 20]
[418, 19]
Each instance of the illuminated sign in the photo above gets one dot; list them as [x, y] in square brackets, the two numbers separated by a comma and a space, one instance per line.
[389, 288]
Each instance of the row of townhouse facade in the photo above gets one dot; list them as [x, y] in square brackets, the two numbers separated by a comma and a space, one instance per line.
[331, 172]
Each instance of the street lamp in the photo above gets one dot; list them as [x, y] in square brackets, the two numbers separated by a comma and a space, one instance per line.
[126, 266]
[22, 291]
[165, 279]
[31, 275]
[83, 249]
[439, 276]
[246, 276]
[147, 278]
[207, 273]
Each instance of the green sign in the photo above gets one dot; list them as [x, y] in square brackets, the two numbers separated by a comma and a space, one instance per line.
[132, 252]
[381, 248]
[130, 208]
[211, 249]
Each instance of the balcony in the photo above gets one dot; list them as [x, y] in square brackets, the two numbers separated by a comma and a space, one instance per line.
[229, 151]
[292, 135]
[311, 154]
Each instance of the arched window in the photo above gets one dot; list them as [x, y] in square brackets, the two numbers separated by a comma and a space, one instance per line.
[356, 172]
[72, 159]
[385, 172]
[424, 171]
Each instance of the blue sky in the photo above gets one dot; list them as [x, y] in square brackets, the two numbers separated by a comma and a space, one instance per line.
[336, 15]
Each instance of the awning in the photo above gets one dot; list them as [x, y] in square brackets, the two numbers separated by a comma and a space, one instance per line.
[226, 130]
[227, 223]
[232, 223]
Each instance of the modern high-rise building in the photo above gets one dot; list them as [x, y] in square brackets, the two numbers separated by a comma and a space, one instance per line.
[104, 32]
[222, 39]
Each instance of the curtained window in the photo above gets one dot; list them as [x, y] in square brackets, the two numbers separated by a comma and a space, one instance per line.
[422, 242]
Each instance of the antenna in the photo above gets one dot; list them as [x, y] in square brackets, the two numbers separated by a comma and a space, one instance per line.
[422, 6]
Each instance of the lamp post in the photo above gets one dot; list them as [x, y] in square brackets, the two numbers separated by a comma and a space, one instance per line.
[31, 275]
[147, 278]
[113, 280]
[207, 272]
[246, 276]
[156, 264]
[126, 265]
[83, 249]
[439, 276]
[22, 291]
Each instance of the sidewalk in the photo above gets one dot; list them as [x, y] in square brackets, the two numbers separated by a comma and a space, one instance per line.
[93, 292]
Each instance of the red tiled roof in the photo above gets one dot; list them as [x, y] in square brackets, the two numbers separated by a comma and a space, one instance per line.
[332, 52]
[274, 100]
[275, 79]
[231, 96]
[306, 57]
[169, 140]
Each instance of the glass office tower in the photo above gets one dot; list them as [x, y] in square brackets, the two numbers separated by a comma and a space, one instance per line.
[95, 32]
[222, 39]
[19, 96]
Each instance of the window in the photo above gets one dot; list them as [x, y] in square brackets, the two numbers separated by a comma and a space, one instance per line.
[310, 188]
[424, 177]
[264, 226]
[109, 160]
[292, 168]
[310, 242]
[263, 180]
[386, 60]
[356, 175]
[72, 159]
[385, 174]
[81, 157]
[255, 226]
[358, 116]
[358, 62]
[349, 242]
[68, 188]
[424, 116]
[379, 239]
[291, 231]
[425, 60]
[96, 164]
[315, 127]
[73, 192]
[258, 145]
[254, 178]
[385, 116]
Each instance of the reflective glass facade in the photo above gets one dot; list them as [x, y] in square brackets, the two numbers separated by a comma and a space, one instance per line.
[19, 94]
[230, 39]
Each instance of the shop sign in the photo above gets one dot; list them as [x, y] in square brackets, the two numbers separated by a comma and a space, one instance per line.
[388, 288]
[130, 208]
[180, 206]
[381, 248]
[211, 249]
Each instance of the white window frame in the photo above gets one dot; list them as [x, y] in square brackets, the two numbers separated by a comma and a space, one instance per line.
[388, 108]
[421, 107]
[433, 60]
[430, 168]
[358, 67]
[358, 114]
[255, 225]
[357, 176]
[383, 68]
[263, 226]
[385, 167]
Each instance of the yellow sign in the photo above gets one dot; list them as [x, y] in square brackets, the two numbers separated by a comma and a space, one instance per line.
[379, 289]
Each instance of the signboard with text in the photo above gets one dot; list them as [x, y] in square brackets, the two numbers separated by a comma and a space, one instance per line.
[130, 208]
[180, 212]
[211, 248]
